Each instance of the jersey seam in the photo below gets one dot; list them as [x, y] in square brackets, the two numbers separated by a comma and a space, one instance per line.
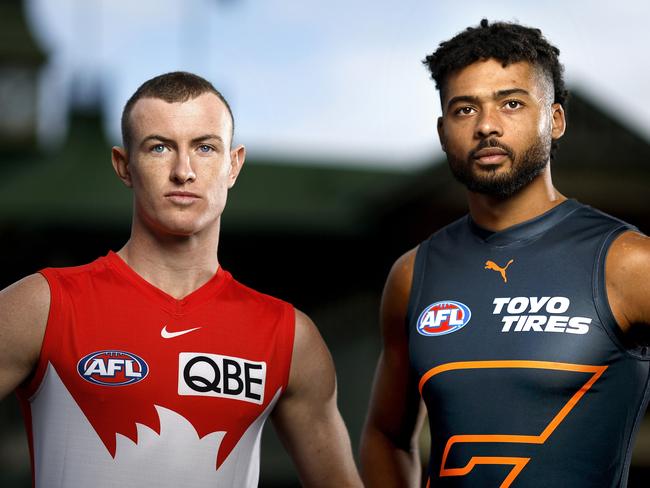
[416, 282]
[523, 241]
[286, 317]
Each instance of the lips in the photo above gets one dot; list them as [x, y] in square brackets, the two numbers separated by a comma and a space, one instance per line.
[490, 151]
[182, 197]
[490, 155]
[181, 194]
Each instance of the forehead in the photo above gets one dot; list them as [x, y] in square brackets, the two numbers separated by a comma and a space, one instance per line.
[486, 77]
[205, 114]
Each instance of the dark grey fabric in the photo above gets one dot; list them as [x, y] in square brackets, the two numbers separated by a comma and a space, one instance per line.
[541, 365]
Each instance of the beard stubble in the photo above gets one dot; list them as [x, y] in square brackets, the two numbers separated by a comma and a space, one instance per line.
[488, 181]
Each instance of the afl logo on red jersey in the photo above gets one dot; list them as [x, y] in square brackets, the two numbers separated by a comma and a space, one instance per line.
[112, 368]
[442, 318]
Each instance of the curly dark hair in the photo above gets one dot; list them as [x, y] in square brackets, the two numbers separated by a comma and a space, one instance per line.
[503, 41]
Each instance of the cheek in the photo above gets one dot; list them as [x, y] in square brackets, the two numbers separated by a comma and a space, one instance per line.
[218, 188]
[144, 184]
[522, 130]
[543, 122]
[458, 142]
[458, 132]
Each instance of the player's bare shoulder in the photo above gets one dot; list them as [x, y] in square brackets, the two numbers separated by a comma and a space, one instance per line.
[311, 358]
[628, 286]
[24, 308]
[397, 290]
[401, 273]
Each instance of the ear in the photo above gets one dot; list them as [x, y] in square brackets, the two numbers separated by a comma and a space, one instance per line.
[237, 157]
[120, 160]
[441, 134]
[558, 121]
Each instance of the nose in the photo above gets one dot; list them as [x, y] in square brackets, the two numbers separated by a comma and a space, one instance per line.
[488, 124]
[182, 171]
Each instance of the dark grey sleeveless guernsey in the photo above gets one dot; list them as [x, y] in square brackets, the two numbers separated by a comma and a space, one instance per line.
[526, 376]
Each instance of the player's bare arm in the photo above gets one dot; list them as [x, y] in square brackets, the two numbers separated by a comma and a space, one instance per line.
[628, 286]
[307, 418]
[502, 93]
[389, 449]
[179, 161]
[24, 308]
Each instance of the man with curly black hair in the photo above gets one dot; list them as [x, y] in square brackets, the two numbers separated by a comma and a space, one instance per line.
[514, 325]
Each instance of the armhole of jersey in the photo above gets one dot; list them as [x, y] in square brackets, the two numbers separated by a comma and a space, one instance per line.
[601, 300]
[419, 271]
[288, 318]
[30, 388]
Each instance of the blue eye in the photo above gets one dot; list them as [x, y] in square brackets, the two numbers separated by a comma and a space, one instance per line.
[158, 148]
[204, 148]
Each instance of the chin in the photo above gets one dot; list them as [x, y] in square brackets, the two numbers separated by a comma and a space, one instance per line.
[189, 226]
[184, 229]
[176, 224]
[181, 232]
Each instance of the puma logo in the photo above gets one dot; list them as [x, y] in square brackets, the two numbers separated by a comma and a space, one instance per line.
[495, 267]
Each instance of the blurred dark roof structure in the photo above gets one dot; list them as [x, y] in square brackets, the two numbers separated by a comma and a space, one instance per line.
[17, 45]
[77, 187]
[600, 162]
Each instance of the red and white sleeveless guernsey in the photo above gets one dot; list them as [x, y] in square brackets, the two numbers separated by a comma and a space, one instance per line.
[134, 388]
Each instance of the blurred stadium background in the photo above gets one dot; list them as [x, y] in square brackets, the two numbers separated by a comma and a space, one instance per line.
[326, 200]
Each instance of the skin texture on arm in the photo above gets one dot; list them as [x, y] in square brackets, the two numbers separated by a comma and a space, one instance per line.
[307, 419]
[627, 273]
[24, 308]
[389, 449]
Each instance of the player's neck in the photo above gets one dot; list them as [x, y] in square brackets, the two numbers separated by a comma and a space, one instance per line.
[177, 265]
[497, 214]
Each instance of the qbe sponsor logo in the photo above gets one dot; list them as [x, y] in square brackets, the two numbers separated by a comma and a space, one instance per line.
[213, 375]
[112, 368]
[539, 314]
[442, 318]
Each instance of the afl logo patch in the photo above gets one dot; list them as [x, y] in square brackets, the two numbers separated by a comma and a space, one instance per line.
[442, 318]
[112, 368]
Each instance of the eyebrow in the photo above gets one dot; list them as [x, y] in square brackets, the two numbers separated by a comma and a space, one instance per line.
[196, 140]
[208, 137]
[495, 96]
[156, 137]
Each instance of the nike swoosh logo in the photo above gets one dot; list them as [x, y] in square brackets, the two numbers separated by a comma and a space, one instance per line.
[165, 334]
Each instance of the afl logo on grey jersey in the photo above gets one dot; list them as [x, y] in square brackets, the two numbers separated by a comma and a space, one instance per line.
[442, 318]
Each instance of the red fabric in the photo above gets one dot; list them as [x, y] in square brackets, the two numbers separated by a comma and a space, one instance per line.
[105, 305]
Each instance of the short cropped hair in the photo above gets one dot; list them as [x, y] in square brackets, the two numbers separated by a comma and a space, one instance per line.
[504, 41]
[177, 86]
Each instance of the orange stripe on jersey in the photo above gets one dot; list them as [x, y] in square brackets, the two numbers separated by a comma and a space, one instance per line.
[518, 463]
